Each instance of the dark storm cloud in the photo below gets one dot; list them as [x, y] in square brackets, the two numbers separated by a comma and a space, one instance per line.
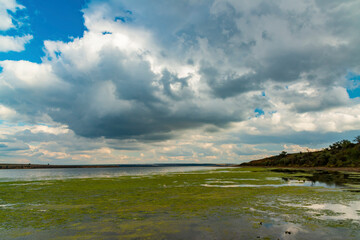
[117, 100]
[228, 85]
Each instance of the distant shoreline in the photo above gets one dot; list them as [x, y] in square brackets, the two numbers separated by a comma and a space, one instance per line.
[42, 166]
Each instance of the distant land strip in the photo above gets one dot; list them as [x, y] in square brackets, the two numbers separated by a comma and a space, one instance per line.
[36, 166]
[340, 155]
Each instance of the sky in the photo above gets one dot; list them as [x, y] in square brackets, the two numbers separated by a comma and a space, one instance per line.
[169, 81]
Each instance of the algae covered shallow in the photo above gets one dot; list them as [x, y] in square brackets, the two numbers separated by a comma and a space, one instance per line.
[228, 203]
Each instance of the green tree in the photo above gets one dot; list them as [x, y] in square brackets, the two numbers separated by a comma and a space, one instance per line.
[340, 145]
[283, 154]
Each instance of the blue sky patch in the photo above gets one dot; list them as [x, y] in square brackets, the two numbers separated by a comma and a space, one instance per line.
[353, 93]
[259, 112]
[354, 85]
[46, 20]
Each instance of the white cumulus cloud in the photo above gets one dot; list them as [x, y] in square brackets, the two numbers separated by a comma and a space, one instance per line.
[11, 43]
[16, 44]
[5, 18]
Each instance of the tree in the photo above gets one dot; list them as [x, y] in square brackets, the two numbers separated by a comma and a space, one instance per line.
[340, 145]
[357, 139]
[282, 154]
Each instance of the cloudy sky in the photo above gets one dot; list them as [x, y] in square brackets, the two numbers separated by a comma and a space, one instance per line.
[140, 81]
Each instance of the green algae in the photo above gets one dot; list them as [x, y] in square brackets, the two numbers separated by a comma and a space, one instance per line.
[167, 205]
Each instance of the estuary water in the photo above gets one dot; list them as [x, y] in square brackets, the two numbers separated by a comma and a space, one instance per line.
[9, 175]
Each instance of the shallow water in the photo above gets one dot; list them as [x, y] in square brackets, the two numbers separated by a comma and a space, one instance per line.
[286, 183]
[7, 175]
[342, 211]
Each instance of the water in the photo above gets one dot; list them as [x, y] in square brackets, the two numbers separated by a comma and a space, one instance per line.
[344, 211]
[290, 183]
[282, 182]
[8, 175]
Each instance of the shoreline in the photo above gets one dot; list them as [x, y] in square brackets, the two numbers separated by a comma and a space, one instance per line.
[49, 166]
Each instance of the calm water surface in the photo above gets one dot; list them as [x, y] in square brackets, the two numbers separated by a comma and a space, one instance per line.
[7, 175]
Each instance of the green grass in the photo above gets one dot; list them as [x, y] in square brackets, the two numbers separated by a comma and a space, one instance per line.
[161, 205]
